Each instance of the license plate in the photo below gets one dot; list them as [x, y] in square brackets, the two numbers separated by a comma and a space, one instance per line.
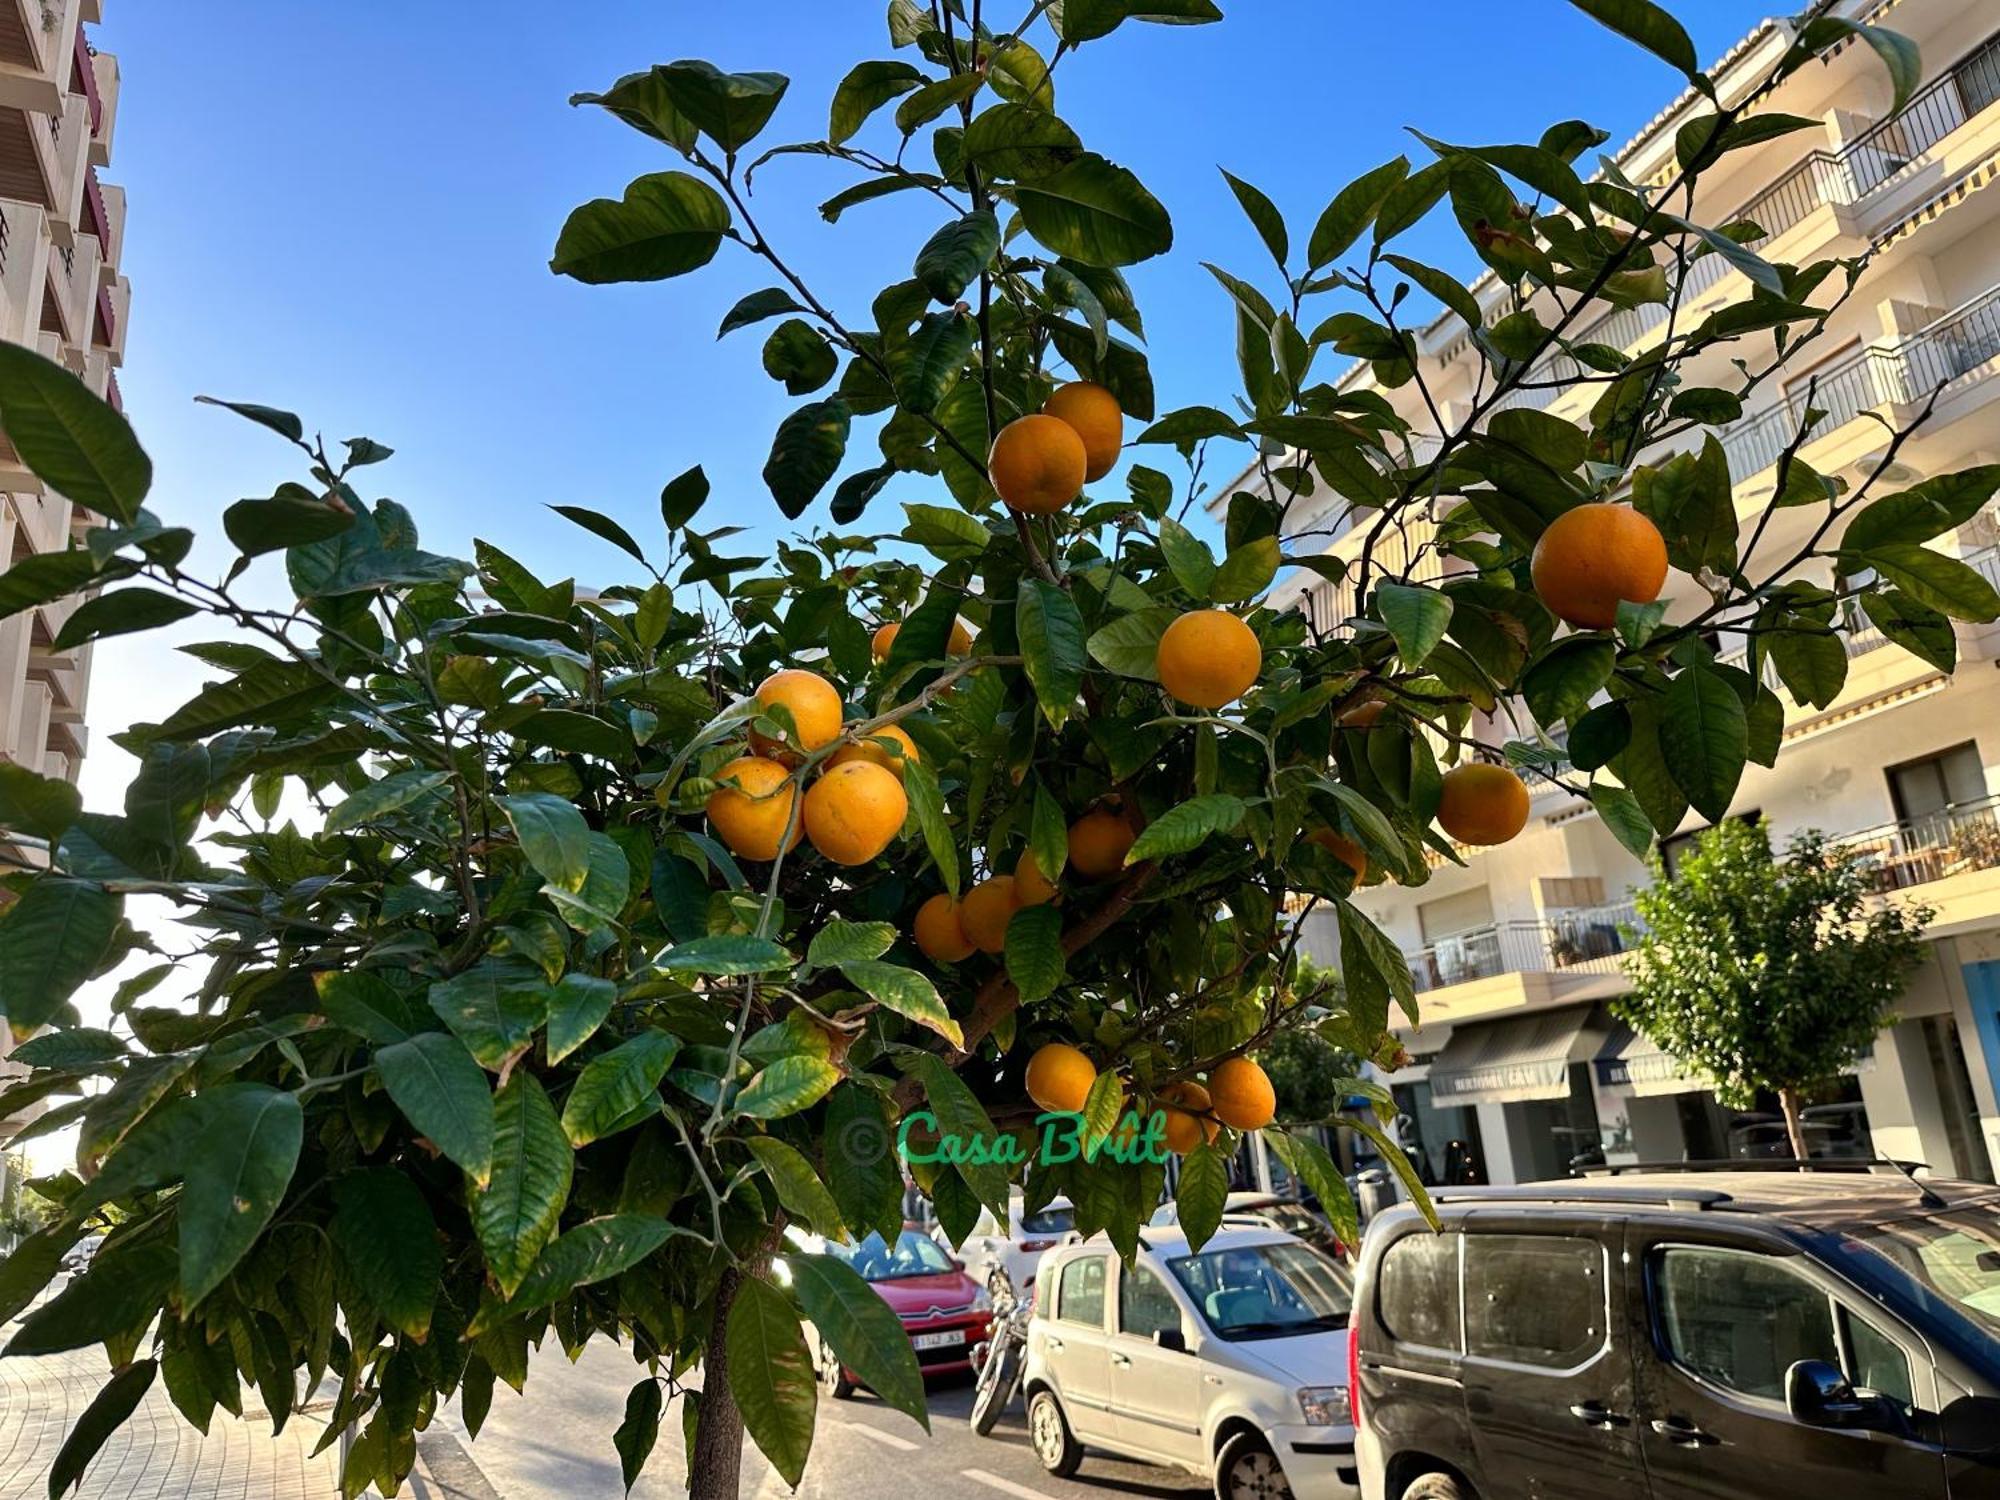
[937, 1340]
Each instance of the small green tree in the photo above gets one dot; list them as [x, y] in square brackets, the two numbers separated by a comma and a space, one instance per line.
[1764, 973]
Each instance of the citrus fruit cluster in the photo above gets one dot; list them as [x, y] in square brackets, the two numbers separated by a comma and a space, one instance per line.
[1238, 1094]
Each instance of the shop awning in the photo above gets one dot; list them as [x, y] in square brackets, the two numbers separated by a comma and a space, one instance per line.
[1517, 1060]
[1631, 1063]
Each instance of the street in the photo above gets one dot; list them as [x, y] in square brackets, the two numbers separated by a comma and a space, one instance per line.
[556, 1441]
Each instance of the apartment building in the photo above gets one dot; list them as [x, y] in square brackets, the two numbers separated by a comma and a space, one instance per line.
[61, 232]
[1519, 1068]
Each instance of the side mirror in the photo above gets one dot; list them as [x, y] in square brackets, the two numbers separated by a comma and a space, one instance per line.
[1818, 1395]
[1170, 1338]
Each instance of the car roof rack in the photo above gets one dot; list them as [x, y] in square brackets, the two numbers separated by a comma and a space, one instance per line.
[1575, 1191]
[1874, 1166]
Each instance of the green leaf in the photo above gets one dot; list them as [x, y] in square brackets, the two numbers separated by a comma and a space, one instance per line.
[729, 108]
[1652, 28]
[945, 531]
[852, 494]
[785, 1087]
[840, 942]
[1246, 572]
[1704, 739]
[1191, 424]
[51, 940]
[286, 424]
[1352, 210]
[1622, 814]
[861, 1167]
[43, 577]
[1924, 632]
[120, 613]
[642, 101]
[1561, 682]
[378, 799]
[616, 1083]
[866, 88]
[1052, 646]
[577, 1007]
[385, 1234]
[594, 1251]
[493, 1007]
[1416, 617]
[725, 953]
[118, 1298]
[756, 307]
[1811, 663]
[667, 224]
[1924, 510]
[1376, 971]
[1263, 215]
[1034, 954]
[640, 1430]
[267, 693]
[1048, 835]
[241, 1165]
[953, 258]
[600, 525]
[108, 1410]
[771, 1375]
[1018, 142]
[77, 443]
[1898, 53]
[1200, 1194]
[805, 452]
[1186, 827]
[1189, 557]
[934, 98]
[799, 1188]
[443, 1094]
[368, 1005]
[1095, 212]
[33, 803]
[80, 1047]
[906, 992]
[553, 835]
[516, 1214]
[931, 361]
[1102, 1107]
[1942, 583]
[1086, 20]
[1130, 644]
[861, 1330]
[797, 356]
[294, 517]
[927, 804]
[1322, 1176]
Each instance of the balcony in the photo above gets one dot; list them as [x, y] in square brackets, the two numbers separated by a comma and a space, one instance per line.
[1958, 840]
[1579, 941]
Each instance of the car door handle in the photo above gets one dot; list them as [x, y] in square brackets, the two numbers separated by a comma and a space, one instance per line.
[1055, 1344]
[1680, 1431]
[1121, 1360]
[1597, 1414]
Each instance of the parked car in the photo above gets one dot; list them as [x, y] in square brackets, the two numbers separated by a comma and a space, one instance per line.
[1265, 1211]
[1017, 1247]
[76, 1260]
[944, 1311]
[1228, 1362]
[1789, 1334]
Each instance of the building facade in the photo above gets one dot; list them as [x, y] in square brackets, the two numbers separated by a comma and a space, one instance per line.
[62, 229]
[1519, 1069]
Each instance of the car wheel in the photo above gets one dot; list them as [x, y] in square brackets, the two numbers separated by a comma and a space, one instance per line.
[832, 1377]
[1249, 1470]
[1056, 1446]
[1437, 1487]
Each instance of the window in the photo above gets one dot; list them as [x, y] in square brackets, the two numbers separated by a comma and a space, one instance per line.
[1922, 787]
[1054, 1220]
[1266, 1291]
[1534, 1299]
[1741, 1320]
[1876, 1361]
[1417, 1296]
[1677, 848]
[1080, 1295]
[1145, 1306]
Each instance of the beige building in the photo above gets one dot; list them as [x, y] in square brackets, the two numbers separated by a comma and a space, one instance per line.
[1518, 1066]
[61, 230]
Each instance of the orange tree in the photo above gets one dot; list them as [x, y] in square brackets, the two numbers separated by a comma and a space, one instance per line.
[629, 925]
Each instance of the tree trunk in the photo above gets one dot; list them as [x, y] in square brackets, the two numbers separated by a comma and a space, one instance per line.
[716, 1467]
[1788, 1101]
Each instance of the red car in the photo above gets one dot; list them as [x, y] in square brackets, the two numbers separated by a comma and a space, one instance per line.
[944, 1310]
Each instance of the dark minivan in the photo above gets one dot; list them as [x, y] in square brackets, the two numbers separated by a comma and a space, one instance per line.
[1828, 1335]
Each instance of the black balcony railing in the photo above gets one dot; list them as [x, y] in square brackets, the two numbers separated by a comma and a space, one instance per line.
[1962, 837]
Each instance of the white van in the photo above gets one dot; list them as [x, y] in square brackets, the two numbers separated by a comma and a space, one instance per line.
[1229, 1362]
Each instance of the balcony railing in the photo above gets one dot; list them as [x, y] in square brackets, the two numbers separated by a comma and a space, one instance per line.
[1964, 836]
[1585, 940]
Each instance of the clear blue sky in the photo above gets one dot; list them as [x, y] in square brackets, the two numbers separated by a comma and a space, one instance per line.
[347, 210]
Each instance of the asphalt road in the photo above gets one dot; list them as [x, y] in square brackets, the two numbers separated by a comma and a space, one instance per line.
[556, 1443]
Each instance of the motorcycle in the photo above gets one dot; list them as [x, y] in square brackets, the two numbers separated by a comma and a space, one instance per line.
[1000, 1359]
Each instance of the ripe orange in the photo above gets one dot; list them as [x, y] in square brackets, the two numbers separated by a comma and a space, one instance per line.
[986, 910]
[1482, 803]
[815, 708]
[1242, 1095]
[752, 816]
[960, 643]
[1098, 841]
[1188, 1126]
[1342, 848]
[1095, 415]
[1030, 889]
[1590, 558]
[1037, 464]
[853, 811]
[869, 748]
[1208, 658]
[1059, 1077]
[939, 933]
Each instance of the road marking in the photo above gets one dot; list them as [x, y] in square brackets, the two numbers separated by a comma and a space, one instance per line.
[886, 1439]
[1004, 1486]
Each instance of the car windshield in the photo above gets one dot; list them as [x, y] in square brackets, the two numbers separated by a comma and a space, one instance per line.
[1051, 1220]
[913, 1255]
[1266, 1291]
[1955, 1254]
